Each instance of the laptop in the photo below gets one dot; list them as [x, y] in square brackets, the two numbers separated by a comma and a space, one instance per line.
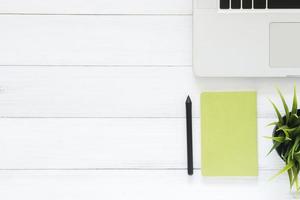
[246, 38]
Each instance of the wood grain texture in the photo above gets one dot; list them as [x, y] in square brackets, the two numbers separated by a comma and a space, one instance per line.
[95, 40]
[107, 144]
[136, 185]
[97, 7]
[114, 92]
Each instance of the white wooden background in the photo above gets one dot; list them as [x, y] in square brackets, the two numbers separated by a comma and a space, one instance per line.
[92, 104]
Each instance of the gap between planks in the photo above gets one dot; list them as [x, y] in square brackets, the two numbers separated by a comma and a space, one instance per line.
[146, 13]
[110, 169]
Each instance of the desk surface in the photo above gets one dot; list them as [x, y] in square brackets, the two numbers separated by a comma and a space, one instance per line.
[92, 104]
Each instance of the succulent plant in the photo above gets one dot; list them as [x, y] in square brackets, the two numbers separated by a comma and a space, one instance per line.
[286, 139]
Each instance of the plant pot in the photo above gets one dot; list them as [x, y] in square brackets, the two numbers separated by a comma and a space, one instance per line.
[282, 147]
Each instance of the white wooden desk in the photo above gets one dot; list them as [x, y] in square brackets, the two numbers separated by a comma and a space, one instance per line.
[92, 99]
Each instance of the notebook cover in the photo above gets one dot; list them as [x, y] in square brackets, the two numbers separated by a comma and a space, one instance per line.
[229, 134]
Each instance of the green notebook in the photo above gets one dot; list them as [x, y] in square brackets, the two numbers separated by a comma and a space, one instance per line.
[229, 134]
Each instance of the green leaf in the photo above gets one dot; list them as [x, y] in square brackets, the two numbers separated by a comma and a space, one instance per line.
[277, 112]
[295, 145]
[295, 179]
[277, 139]
[296, 132]
[297, 156]
[275, 145]
[287, 154]
[286, 108]
[290, 178]
[289, 130]
[285, 130]
[286, 168]
[294, 121]
[295, 103]
[273, 124]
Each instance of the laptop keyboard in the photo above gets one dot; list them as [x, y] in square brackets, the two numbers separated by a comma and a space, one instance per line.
[247, 4]
[260, 4]
[236, 4]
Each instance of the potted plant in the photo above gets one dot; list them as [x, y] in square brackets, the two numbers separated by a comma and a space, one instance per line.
[286, 139]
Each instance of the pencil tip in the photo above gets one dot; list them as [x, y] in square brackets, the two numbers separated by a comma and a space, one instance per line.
[188, 100]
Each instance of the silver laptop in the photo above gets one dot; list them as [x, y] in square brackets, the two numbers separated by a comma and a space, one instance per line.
[246, 38]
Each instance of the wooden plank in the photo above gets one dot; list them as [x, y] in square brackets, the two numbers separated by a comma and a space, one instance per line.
[95, 40]
[97, 7]
[91, 143]
[119, 91]
[107, 144]
[134, 185]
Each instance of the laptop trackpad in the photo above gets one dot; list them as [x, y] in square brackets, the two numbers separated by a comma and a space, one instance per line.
[285, 45]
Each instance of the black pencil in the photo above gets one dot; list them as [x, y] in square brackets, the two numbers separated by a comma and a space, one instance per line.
[189, 135]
